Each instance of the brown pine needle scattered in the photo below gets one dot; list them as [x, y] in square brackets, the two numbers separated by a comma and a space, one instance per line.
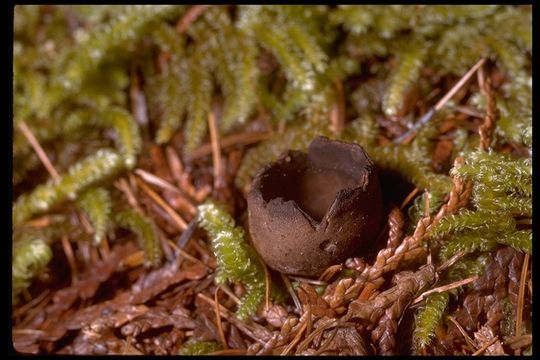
[411, 133]
[466, 336]
[451, 261]
[486, 129]
[38, 149]
[23, 309]
[267, 286]
[330, 272]
[337, 113]
[292, 292]
[180, 223]
[444, 288]
[521, 298]
[409, 197]
[304, 344]
[185, 254]
[485, 346]
[68, 250]
[155, 180]
[296, 339]
[440, 104]
[227, 290]
[245, 138]
[219, 180]
[190, 16]
[218, 319]
[229, 316]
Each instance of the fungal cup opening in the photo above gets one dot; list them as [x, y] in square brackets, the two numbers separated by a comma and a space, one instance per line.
[313, 180]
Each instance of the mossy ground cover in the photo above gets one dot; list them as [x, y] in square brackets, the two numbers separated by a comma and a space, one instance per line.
[137, 131]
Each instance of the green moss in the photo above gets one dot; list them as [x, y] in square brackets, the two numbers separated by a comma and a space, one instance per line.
[199, 347]
[427, 319]
[73, 81]
[147, 236]
[30, 254]
[237, 260]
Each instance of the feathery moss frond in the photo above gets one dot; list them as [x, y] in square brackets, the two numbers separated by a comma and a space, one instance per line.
[89, 171]
[240, 62]
[472, 220]
[30, 255]
[404, 75]
[94, 49]
[237, 260]
[147, 236]
[298, 71]
[309, 46]
[127, 133]
[97, 203]
[498, 172]
[468, 242]
[519, 240]
[427, 319]
[199, 101]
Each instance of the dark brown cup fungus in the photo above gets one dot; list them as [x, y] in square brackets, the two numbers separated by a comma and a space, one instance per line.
[309, 211]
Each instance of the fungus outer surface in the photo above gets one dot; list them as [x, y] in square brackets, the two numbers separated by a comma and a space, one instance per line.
[309, 211]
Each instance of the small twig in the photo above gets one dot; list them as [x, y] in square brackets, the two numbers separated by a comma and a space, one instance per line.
[409, 197]
[227, 290]
[219, 181]
[329, 272]
[295, 340]
[292, 292]
[337, 113]
[304, 344]
[309, 319]
[309, 281]
[68, 250]
[38, 149]
[229, 316]
[486, 129]
[485, 346]
[521, 298]
[408, 135]
[218, 319]
[444, 288]
[190, 16]
[23, 309]
[188, 233]
[267, 286]
[177, 171]
[451, 261]
[440, 104]
[181, 223]
[327, 342]
[245, 138]
[155, 180]
[124, 187]
[185, 254]
[466, 336]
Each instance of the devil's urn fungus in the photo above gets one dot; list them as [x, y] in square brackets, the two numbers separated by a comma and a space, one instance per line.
[310, 211]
